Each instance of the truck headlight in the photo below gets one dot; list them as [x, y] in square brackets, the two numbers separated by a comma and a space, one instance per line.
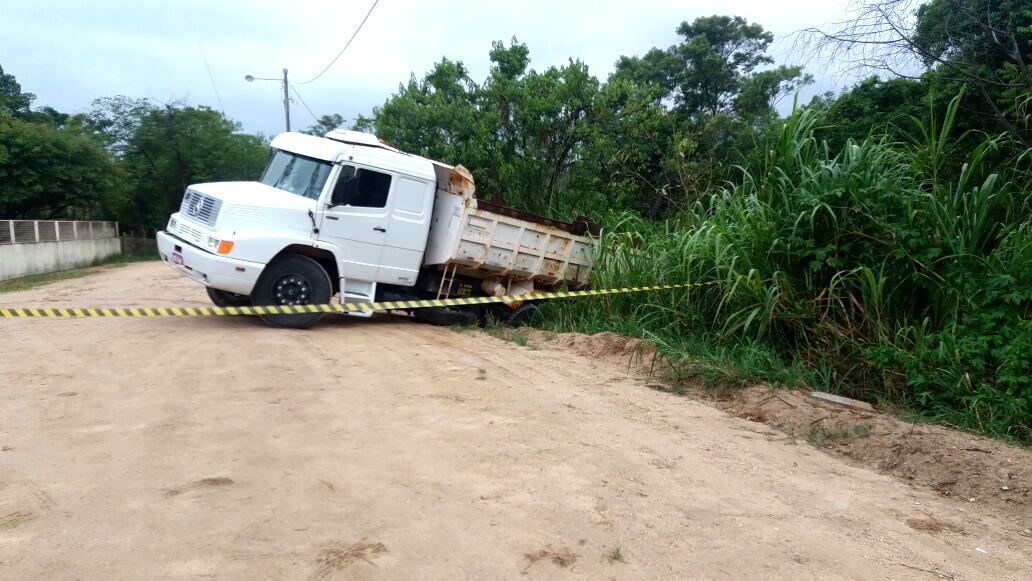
[220, 246]
[171, 223]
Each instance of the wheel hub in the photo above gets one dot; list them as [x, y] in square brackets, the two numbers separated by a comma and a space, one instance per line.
[292, 289]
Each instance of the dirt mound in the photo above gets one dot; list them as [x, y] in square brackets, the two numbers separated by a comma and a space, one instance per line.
[969, 467]
[640, 355]
[955, 464]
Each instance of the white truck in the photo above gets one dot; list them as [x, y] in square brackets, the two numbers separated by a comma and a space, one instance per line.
[346, 215]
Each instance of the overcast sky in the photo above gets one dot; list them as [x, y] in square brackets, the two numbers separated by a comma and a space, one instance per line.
[69, 52]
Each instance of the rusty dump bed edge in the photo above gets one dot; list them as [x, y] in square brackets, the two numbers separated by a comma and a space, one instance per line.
[578, 227]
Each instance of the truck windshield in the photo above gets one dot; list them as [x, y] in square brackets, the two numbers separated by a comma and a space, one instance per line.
[297, 174]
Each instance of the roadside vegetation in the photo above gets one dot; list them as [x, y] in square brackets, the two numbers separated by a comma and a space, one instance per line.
[874, 270]
[875, 243]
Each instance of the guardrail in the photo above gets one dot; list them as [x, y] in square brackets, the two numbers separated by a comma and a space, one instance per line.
[33, 231]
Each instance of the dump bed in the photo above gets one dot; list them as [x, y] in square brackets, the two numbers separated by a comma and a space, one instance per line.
[489, 241]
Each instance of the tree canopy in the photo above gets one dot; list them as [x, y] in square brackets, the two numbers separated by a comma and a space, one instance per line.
[126, 159]
[324, 125]
[13, 101]
[56, 172]
[984, 44]
[653, 136]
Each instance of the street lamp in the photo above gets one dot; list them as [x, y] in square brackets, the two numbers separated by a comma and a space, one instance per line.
[286, 93]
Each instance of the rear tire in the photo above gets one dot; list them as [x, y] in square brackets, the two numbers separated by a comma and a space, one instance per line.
[522, 316]
[444, 316]
[293, 280]
[221, 298]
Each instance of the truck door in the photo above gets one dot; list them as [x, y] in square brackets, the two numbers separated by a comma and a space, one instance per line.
[356, 220]
[408, 225]
[380, 223]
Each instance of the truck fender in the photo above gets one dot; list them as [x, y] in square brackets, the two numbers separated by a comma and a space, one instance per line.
[323, 255]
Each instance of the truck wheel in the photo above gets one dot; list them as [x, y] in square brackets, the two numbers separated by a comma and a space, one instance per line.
[523, 316]
[445, 316]
[293, 280]
[221, 298]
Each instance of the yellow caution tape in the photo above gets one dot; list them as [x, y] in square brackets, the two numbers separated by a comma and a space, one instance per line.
[59, 312]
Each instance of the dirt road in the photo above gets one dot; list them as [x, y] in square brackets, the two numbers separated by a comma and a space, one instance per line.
[220, 448]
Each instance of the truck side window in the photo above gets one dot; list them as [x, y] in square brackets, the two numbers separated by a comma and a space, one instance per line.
[345, 186]
[363, 188]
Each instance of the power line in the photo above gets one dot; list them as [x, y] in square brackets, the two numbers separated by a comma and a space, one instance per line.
[302, 99]
[345, 46]
[211, 78]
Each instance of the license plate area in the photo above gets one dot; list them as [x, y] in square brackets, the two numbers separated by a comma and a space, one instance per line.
[177, 258]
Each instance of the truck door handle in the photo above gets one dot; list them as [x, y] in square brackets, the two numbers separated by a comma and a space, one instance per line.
[379, 228]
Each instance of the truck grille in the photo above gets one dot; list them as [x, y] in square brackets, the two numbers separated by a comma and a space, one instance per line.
[202, 208]
[190, 234]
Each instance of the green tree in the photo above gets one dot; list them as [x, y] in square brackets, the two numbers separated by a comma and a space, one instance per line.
[47, 114]
[324, 125]
[657, 70]
[717, 54]
[364, 123]
[12, 100]
[655, 137]
[519, 130]
[716, 69]
[116, 119]
[633, 149]
[436, 117]
[51, 164]
[541, 120]
[985, 44]
[168, 147]
[872, 107]
[720, 88]
[48, 172]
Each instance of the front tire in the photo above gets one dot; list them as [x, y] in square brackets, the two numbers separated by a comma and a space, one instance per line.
[221, 298]
[293, 280]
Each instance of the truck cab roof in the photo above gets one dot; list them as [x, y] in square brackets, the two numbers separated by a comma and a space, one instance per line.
[355, 146]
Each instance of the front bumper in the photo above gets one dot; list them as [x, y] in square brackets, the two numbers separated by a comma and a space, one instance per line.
[220, 272]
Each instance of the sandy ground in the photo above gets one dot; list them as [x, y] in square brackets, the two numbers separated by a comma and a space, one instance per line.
[220, 448]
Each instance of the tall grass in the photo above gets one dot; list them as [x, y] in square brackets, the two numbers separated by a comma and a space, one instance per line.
[898, 272]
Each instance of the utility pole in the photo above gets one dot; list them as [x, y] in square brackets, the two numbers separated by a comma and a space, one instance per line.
[286, 94]
[286, 99]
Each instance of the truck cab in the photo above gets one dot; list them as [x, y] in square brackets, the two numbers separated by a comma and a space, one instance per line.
[358, 208]
[347, 214]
